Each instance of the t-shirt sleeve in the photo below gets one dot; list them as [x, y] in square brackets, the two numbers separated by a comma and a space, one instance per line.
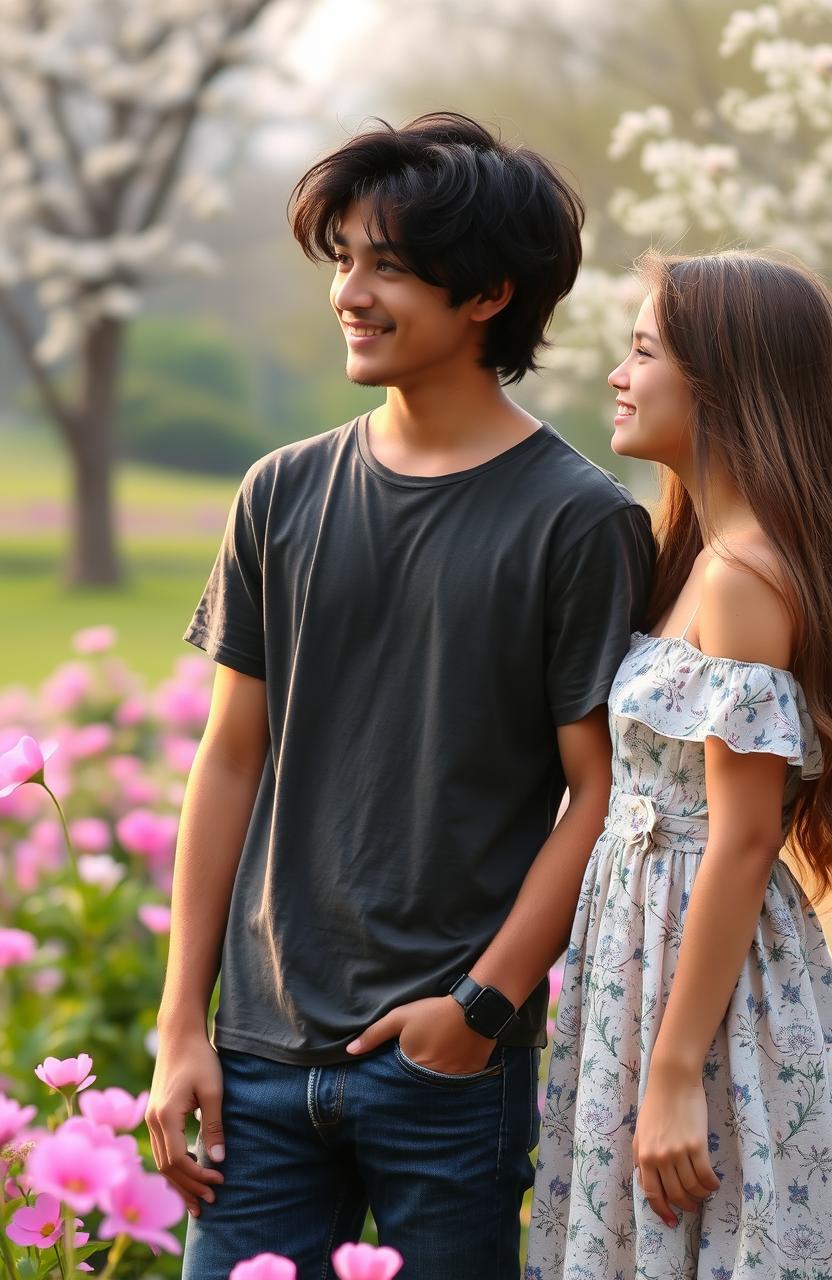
[228, 621]
[597, 596]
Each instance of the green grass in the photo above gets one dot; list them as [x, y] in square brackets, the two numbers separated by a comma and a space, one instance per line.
[172, 526]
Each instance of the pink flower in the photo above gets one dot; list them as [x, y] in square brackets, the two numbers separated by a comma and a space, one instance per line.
[29, 862]
[92, 835]
[67, 687]
[265, 1266]
[364, 1262]
[45, 981]
[94, 639]
[141, 1206]
[16, 947]
[101, 869]
[90, 740]
[123, 767]
[130, 712]
[151, 834]
[179, 753]
[114, 1107]
[183, 706]
[23, 763]
[101, 1136]
[155, 917]
[63, 1073]
[13, 1118]
[38, 1226]
[69, 1166]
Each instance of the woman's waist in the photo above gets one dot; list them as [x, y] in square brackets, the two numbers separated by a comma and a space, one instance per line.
[646, 822]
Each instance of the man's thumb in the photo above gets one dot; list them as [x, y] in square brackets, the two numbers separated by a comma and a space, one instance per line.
[377, 1032]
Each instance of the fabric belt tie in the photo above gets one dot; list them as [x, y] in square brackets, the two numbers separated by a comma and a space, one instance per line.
[636, 820]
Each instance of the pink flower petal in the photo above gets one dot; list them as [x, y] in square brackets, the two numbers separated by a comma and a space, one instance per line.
[364, 1262]
[264, 1266]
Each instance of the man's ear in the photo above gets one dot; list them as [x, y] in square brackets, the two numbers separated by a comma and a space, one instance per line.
[488, 305]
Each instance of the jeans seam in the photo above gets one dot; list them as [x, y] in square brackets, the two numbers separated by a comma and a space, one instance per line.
[333, 1228]
[502, 1119]
[339, 1094]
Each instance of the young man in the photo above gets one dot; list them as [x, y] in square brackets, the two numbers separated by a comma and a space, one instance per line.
[417, 618]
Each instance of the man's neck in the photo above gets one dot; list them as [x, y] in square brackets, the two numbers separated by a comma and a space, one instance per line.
[434, 430]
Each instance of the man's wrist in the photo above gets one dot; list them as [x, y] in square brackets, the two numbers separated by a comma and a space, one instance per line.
[487, 1011]
[181, 1023]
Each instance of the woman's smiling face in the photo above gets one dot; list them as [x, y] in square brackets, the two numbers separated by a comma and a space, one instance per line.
[654, 402]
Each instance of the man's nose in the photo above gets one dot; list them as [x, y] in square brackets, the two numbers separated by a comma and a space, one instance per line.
[352, 293]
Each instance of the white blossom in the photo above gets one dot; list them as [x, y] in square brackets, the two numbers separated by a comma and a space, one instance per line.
[196, 258]
[118, 302]
[204, 196]
[772, 113]
[63, 331]
[634, 126]
[110, 160]
[143, 249]
[745, 23]
[92, 260]
[710, 189]
[56, 292]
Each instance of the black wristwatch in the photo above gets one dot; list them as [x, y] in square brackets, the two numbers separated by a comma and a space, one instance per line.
[486, 1009]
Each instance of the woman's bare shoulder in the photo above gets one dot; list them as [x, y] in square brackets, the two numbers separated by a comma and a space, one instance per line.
[743, 613]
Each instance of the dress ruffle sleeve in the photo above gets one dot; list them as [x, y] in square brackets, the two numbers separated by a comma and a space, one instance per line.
[748, 705]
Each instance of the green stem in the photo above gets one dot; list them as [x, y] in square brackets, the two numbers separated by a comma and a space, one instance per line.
[60, 1261]
[69, 848]
[117, 1251]
[69, 1238]
[8, 1257]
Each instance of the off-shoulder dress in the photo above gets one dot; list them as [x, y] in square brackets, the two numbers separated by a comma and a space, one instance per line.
[767, 1075]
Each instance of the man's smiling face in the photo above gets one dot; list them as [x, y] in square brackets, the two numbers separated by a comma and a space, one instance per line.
[398, 328]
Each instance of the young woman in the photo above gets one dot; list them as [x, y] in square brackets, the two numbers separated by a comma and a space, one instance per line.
[687, 1130]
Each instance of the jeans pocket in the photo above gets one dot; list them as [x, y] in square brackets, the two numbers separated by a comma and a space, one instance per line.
[493, 1071]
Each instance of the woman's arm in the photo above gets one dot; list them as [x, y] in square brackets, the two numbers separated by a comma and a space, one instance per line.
[740, 617]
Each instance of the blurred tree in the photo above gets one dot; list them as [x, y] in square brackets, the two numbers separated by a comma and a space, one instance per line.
[751, 167]
[100, 101]
[186, 398]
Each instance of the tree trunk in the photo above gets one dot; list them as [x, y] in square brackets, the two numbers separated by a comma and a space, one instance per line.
[94, 558]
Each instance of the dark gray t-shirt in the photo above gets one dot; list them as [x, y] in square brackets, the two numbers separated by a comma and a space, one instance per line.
[421, 638]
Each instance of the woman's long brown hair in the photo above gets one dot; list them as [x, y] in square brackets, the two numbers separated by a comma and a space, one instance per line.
[752, 336]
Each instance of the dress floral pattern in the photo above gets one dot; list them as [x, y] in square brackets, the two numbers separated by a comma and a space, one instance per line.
[767, 1075]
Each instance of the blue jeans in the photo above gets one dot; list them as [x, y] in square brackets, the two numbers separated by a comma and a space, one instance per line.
[442, 1162]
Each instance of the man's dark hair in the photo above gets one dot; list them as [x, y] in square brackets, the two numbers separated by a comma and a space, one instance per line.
[462, 210]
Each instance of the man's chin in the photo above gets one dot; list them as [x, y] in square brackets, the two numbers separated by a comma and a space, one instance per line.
[364, 380]
[364, 377]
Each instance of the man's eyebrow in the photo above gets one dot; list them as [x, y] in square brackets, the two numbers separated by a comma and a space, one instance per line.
[378, 246]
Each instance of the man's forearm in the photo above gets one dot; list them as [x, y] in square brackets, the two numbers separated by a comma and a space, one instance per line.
[215, 817]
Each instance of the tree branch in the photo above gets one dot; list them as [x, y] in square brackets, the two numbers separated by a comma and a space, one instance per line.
[188, 114]
[55, 406]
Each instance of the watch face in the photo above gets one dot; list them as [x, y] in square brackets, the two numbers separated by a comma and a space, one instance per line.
[489, 1010]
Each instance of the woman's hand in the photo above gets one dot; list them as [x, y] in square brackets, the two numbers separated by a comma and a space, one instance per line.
[670, 1147]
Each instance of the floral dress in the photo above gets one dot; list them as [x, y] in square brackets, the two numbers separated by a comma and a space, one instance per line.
[767, 1074]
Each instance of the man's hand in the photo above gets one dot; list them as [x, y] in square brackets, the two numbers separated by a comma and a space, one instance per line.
[432, 1033]
[187, 1076]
